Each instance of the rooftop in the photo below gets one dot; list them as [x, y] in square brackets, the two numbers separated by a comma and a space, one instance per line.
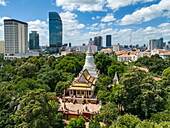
[15, 21]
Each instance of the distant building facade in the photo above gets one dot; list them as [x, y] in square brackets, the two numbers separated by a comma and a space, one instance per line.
[34, 40]
[156, 44]
[108, 40]
[55, 31]
[116, 47]
[16, 36]
[2, 47]
[98, 41]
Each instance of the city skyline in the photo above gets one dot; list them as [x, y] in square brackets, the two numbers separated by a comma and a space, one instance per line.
[132, 22]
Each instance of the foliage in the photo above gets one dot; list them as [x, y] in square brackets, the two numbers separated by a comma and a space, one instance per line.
[126, 121]
[59, 89]
[109, 113]
[5, 120]
[79, 123]
[147, 124]
[28, 84]
[27, 70]
[103, 61]
[153, 63]
[160, 116]
[94, 123]
[35, 111]
[69, 64]
[140, 95]
[51, 78]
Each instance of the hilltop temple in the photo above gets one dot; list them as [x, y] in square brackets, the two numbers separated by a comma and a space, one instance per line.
[84, 85]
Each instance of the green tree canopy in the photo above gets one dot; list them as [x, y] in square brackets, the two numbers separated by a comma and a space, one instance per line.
[35, 110]
[109, 113]
[141, 95]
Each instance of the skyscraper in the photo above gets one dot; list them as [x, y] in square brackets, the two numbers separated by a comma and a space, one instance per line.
[108, 40]
[55, 31]
[98, 41]
[156, 44]
[16, 36]
[34, 40]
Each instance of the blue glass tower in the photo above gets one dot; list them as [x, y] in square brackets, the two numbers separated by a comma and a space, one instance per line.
[55, 31]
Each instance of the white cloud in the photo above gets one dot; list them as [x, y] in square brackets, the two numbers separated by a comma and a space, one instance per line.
[93, 18]
[140, 36]
[42, 28]
[116, 4]
[3, 2]
[95, 24]
[146, 13]
[81, 5]
[109, 17]
[2, 19]
[71, 26]
[2, 27]
[109, 24]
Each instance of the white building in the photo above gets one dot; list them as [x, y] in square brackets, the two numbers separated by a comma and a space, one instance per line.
[16, 36]
[16, 39]
[142, 54]
[127, 58]
[116, 47]
[165, 55]
[157, 51]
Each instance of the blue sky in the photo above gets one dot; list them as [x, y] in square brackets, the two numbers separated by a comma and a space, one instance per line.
[85, 19]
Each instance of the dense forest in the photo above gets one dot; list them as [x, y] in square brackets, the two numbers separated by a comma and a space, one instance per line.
[28, 90]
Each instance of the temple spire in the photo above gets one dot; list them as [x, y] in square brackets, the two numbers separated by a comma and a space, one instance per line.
[89, 62]
[115, 79]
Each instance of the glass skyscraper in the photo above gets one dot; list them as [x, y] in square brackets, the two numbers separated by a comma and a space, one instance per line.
[55, 31]
[108, 40]
[33, 40]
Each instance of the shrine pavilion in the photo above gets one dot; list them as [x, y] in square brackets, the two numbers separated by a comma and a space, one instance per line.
[84, 85]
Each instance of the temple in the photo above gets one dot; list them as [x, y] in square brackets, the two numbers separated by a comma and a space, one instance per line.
[84, 85]
[115, 79]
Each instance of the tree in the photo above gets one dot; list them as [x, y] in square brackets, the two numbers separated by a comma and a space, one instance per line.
[116, 67]
[61, 86]
[147, 124]
[126, 121]
[79, 123]
[140, 95]
[35, 110]
[94, 123]
[102, 62]
[28, 84]
[109, 113]
[27, 70]
[161, 116]
[51, 78]
[69, 64]
[72, 123]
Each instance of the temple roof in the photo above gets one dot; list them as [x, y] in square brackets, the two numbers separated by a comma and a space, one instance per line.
[84, 82]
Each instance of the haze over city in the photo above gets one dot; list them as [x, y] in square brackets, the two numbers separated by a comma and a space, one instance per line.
[129, 22]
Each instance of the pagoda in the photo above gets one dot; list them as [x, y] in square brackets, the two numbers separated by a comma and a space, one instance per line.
[84, 85]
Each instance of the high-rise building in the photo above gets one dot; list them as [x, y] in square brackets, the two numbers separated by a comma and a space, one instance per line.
[108, 40]
[156, 44]
[98, 41]
[69, 44]
[16, 36]
[2, 47]
[33, 40]
[55, 31]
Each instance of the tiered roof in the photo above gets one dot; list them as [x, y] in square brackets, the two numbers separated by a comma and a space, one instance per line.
[84, 82]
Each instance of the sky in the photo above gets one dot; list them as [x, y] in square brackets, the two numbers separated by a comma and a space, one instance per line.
[128, 21]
